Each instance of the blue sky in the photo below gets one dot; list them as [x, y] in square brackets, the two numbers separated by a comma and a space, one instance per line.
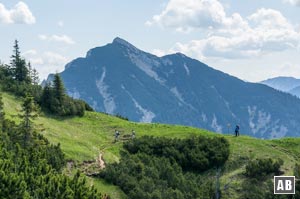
[250, 39]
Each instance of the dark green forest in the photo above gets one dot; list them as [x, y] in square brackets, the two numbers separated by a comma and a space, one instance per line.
[21, 79]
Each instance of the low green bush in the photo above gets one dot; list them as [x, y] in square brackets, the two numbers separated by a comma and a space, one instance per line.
[261, 167]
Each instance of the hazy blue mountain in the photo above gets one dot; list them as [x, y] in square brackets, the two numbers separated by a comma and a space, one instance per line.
[282, 83]
[295, 91]
[287, 84]
[118, 78]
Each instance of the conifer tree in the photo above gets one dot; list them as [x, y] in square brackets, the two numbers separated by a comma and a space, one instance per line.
[16, 57]
[30, 71]
[59, 89]
[35, 77]
[47, 97]
[29, 113]
[58, 102]
[16, 52]
[22, 73]
[18, 65]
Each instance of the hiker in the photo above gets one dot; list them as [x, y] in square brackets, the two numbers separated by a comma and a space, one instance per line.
[237, 130]
[132, 134]
[117, 134]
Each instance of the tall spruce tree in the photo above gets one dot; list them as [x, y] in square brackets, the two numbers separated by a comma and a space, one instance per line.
[29, 113]
[18, 65]
[47, 97]
[30, 71]
[15, 58]
[35, 77]
[58, 88]
[22, 73]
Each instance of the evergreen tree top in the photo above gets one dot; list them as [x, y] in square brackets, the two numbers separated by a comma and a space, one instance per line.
[16, 52]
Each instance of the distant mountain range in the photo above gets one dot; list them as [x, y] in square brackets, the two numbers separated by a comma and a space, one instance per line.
[118, 78]
[287, 84]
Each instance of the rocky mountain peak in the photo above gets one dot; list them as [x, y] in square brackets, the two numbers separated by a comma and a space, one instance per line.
[122, 42]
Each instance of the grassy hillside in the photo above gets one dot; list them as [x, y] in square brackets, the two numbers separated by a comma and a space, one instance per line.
[83, 139]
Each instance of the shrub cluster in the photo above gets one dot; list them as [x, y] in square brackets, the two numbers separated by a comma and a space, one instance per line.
[261, 167]
[167, 168]
[192, 154]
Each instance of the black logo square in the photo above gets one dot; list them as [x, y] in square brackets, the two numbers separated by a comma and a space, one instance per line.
[284, 184]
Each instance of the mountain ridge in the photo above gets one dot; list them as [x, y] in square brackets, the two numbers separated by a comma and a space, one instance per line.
[286, 84]
[118, 78]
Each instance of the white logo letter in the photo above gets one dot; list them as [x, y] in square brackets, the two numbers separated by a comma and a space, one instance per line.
[280, 185]
[288, 185]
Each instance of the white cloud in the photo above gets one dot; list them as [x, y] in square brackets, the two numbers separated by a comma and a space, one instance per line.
[158, 52]
[293, 2]
[4, 15]
[186, 15]
[36, 61]
[54, 58]
[30, 52]
[230, 37]
[269, 18]
[19, 14]
[46, 62]
[57, 38]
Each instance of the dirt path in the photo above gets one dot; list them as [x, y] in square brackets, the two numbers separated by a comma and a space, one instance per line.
[100, 161]
[93, 167]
